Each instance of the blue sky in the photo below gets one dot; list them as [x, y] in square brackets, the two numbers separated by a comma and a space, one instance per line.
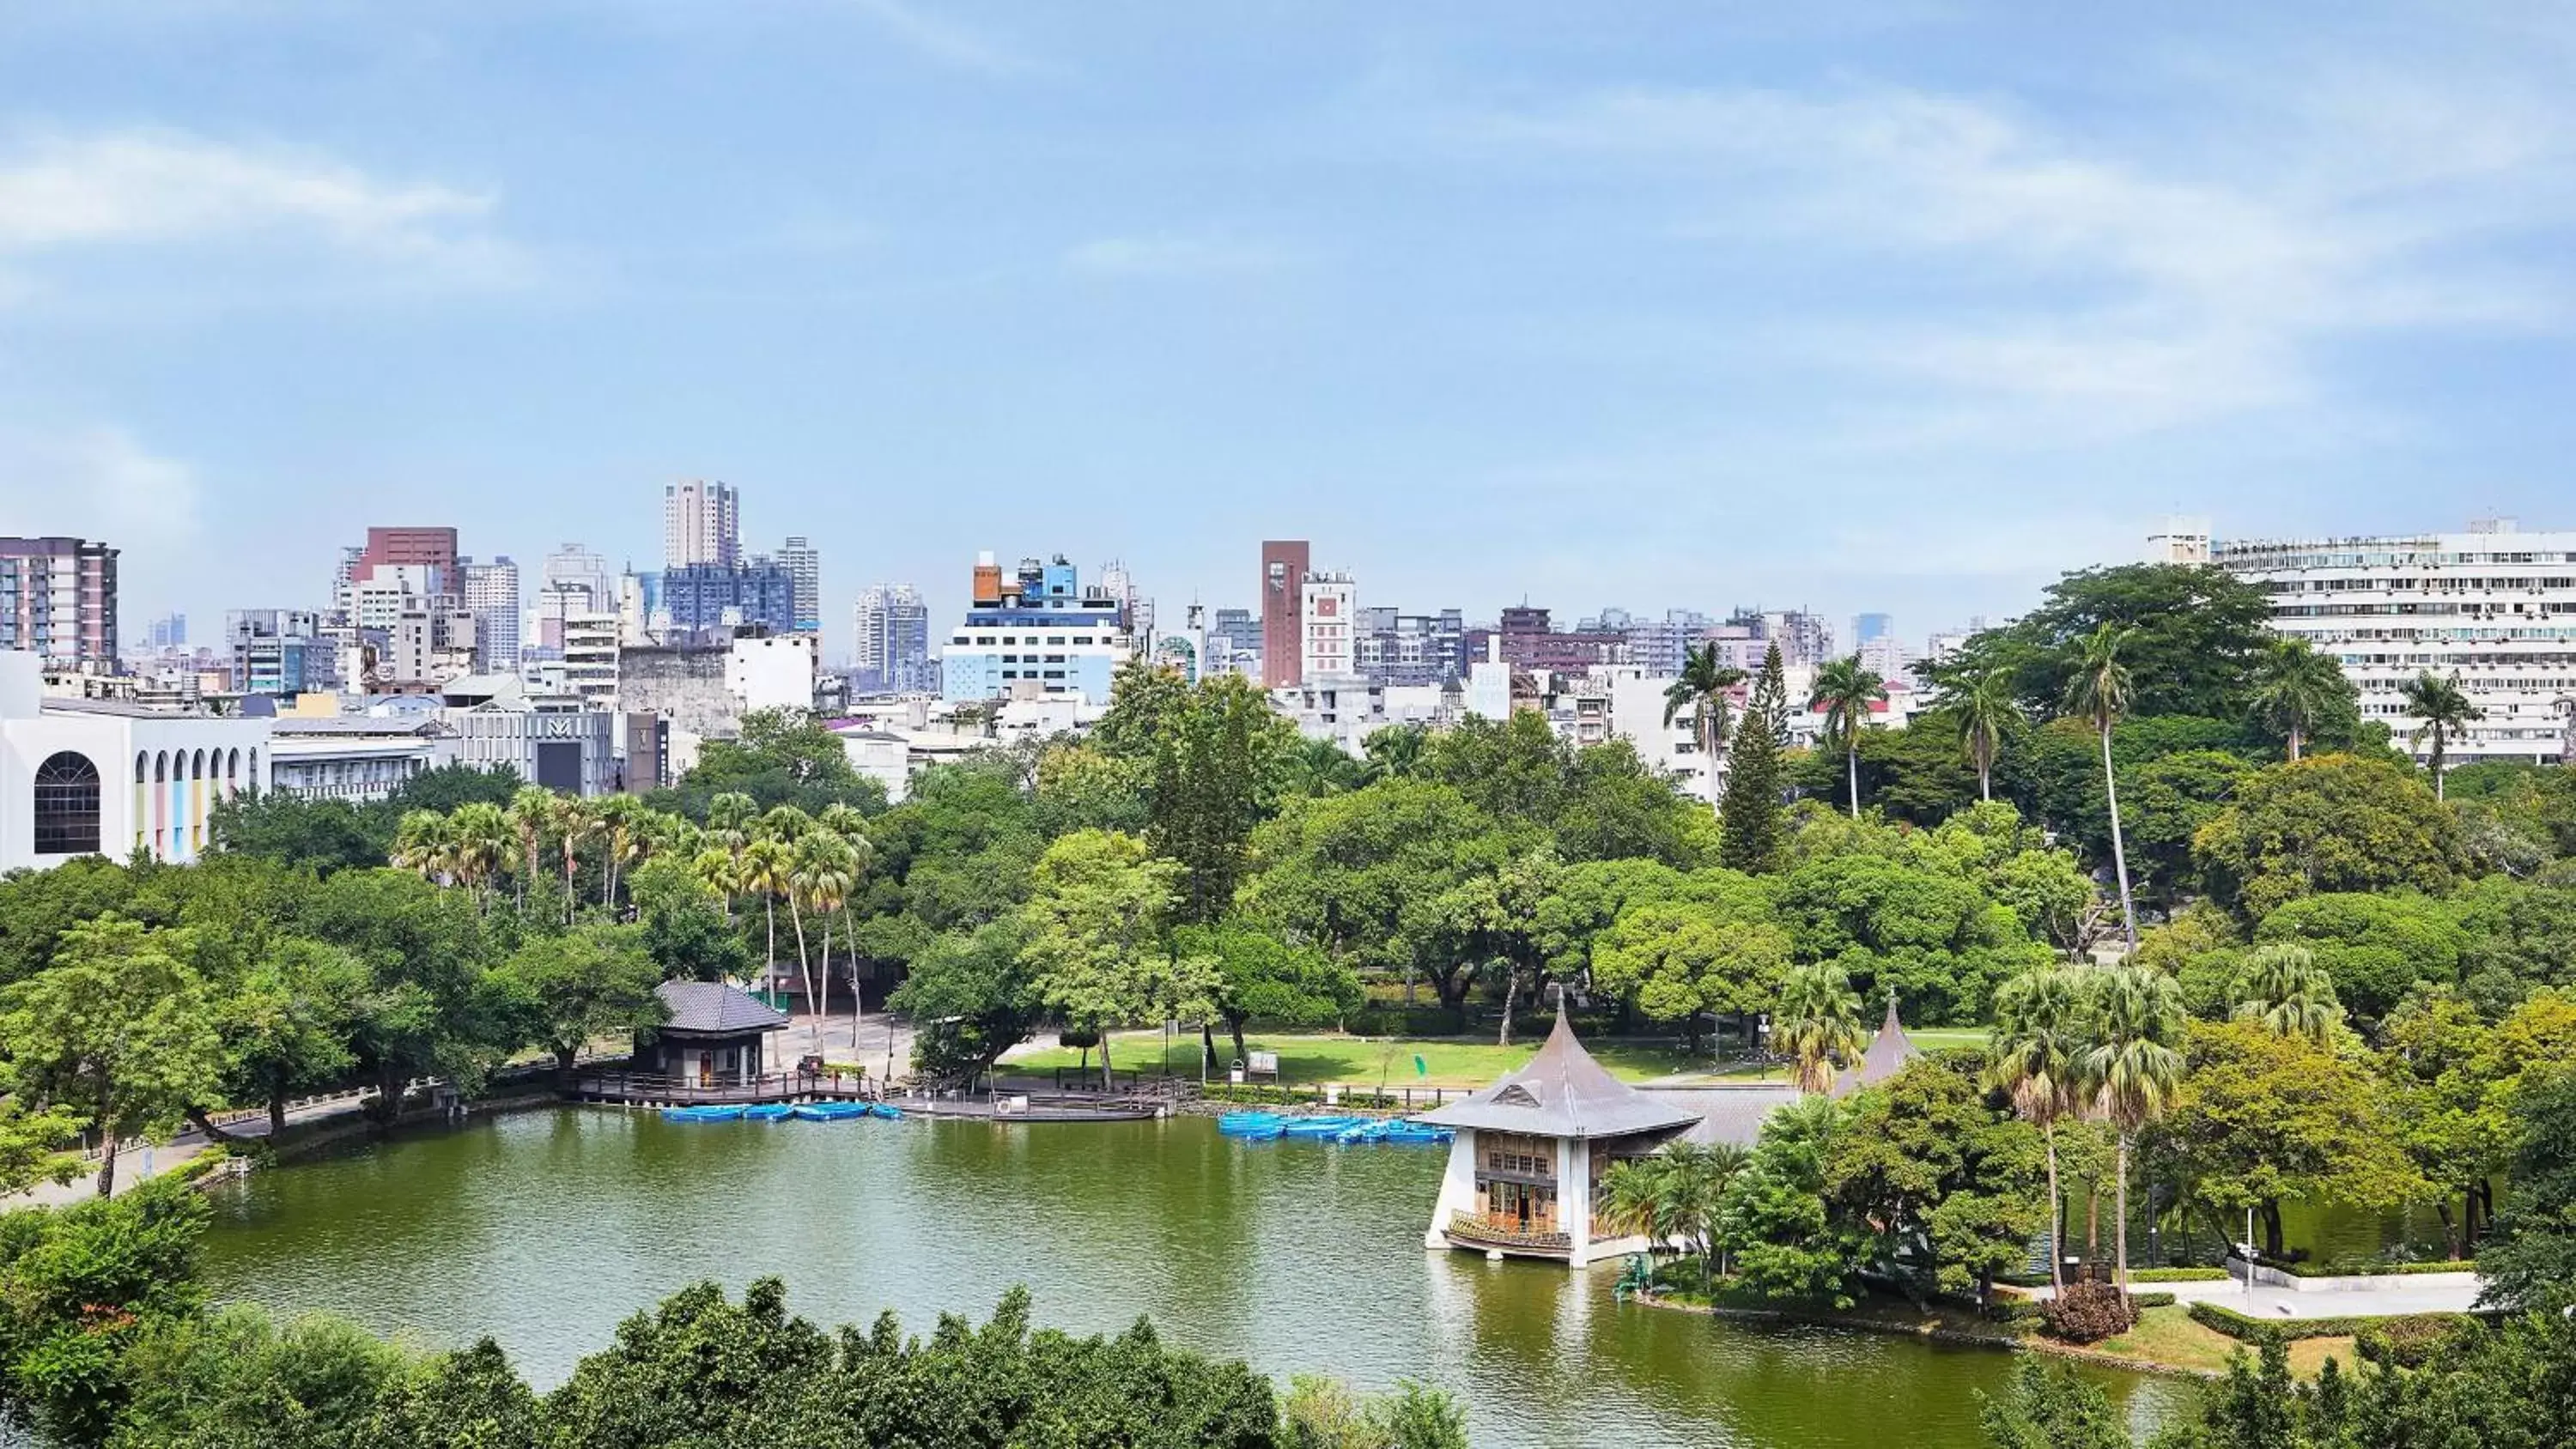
[1901, 306]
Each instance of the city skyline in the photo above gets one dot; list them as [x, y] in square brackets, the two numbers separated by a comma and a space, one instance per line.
[1861, 312]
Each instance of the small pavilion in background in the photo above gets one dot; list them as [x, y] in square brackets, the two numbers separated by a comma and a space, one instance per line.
[1888, 1053]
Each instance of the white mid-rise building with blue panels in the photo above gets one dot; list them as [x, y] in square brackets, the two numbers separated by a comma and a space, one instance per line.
[1036, 631]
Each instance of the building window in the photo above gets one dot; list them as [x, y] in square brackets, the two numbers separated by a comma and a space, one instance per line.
[66, 805]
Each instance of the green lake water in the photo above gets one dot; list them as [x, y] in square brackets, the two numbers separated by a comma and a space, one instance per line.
[544, 1229]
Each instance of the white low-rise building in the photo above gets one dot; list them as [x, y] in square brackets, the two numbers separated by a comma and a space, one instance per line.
[356, 758]
[100, 777]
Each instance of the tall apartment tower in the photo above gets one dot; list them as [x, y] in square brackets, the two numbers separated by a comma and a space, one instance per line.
[433, 549]
[805, 566]
[58, 600]
[701, 524]
[893, 630]
[1330, 607]
[492, 597]
[1284, 566]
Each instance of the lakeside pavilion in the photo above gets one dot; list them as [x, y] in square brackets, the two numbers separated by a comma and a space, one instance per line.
[1526, 1167]
[714, 1035]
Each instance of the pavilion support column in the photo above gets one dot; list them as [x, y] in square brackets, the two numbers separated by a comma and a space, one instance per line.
[1457, 1188]
[1574, 1198]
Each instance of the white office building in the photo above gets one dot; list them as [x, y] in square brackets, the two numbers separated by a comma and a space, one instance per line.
[1331, 622]
[2493, 607]
[492, 595]
[892, 628]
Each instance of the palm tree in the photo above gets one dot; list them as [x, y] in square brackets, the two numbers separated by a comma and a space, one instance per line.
[2038, 1044]
[1702, 689]
[1634, 1201]
[424, 843]
[764, 868]
[2284, 988]
[1987, 708]
[2293, 688]
[574, 822]
[2444, 710]
[1845, 690]
[620, 817]
[720, 871]
[825, 872]
[730, 817]
[1817, 1022]
[479, 838]
[2134, 1067]
[1393, 753]
[2100, 692]
[532, 807]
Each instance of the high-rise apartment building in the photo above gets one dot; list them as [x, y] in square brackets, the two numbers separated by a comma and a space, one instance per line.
[1234, 644]
[701, 524]
[575, 581]
[58, 600]
[492, 597]
[892, 626]
[1330, 605]
[281, 652]
[708, 598]
[805, 566]
[170, 631]
[2493, 608]
[1284, 563]
[1394, 647]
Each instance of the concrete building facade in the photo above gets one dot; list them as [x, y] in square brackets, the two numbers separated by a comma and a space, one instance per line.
[1034, 633]
[98, 777]
[804, 565]
[1284, 565]
[891, 626]
[2492, 607]
[701, 524]
[58, 600]
[1329, 605]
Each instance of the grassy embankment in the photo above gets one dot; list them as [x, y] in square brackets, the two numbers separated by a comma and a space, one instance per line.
[1306, 1059]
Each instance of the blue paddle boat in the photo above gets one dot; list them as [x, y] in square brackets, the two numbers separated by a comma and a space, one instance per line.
[702, 1114]
[886, 1111]
[830, 1111]
[767, 1112]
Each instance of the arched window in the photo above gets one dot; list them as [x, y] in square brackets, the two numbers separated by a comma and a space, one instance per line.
[232, 765]
[197, 766]
[160, 766]
[66, 805]
[254, 767]
[142, 766]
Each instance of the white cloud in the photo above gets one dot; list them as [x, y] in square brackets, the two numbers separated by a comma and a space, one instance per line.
[2098, 287]
[942, 40]
[60, 193]
[1170, 254]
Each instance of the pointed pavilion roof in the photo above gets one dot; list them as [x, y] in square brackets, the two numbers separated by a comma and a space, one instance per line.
[1562, 1092]
[1888, 1053]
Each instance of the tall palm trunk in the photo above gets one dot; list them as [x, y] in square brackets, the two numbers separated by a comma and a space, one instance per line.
[1851, 766]
[2119, 849]
[571, 864]
[1985, 780]
[804, 964]
[2438, 742]
[2120, 1228]
[2297, 738]
[2056, 1215]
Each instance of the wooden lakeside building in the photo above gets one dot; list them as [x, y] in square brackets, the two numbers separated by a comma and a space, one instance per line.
[1527, 1166]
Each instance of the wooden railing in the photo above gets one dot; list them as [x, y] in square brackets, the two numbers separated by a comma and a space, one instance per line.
[1507, 1232]
[692, 1091]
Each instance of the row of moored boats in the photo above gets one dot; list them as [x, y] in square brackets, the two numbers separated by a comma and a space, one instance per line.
[1349, 1131]
[780, 1112]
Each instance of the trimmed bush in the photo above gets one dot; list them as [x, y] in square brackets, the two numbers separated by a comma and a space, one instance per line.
[2364, 1268]
[2088, 1313]
[2144, 1301]
[2289, 1330]
[2408, 1341]
[2179, 1275]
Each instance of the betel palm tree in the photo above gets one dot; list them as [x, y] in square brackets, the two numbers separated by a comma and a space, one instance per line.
[718, 870]
[2294, 686]
[2133, 1068]
[1987, 708]
[1844, 689]
[2284, 988]
[764, 870]
[1702, 690]
[1816, 1021]
[531, 810]
[620, 820]
[730, 817]
[2038, 1044]
[2444, 712]
[2100, 692]
[819, 878]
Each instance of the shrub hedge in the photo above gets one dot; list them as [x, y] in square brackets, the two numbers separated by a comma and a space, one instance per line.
[2179, 1275]
[2408, 1341]
[2289, 1330]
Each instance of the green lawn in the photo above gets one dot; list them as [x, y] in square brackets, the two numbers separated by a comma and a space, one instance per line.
[1364, 1061]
